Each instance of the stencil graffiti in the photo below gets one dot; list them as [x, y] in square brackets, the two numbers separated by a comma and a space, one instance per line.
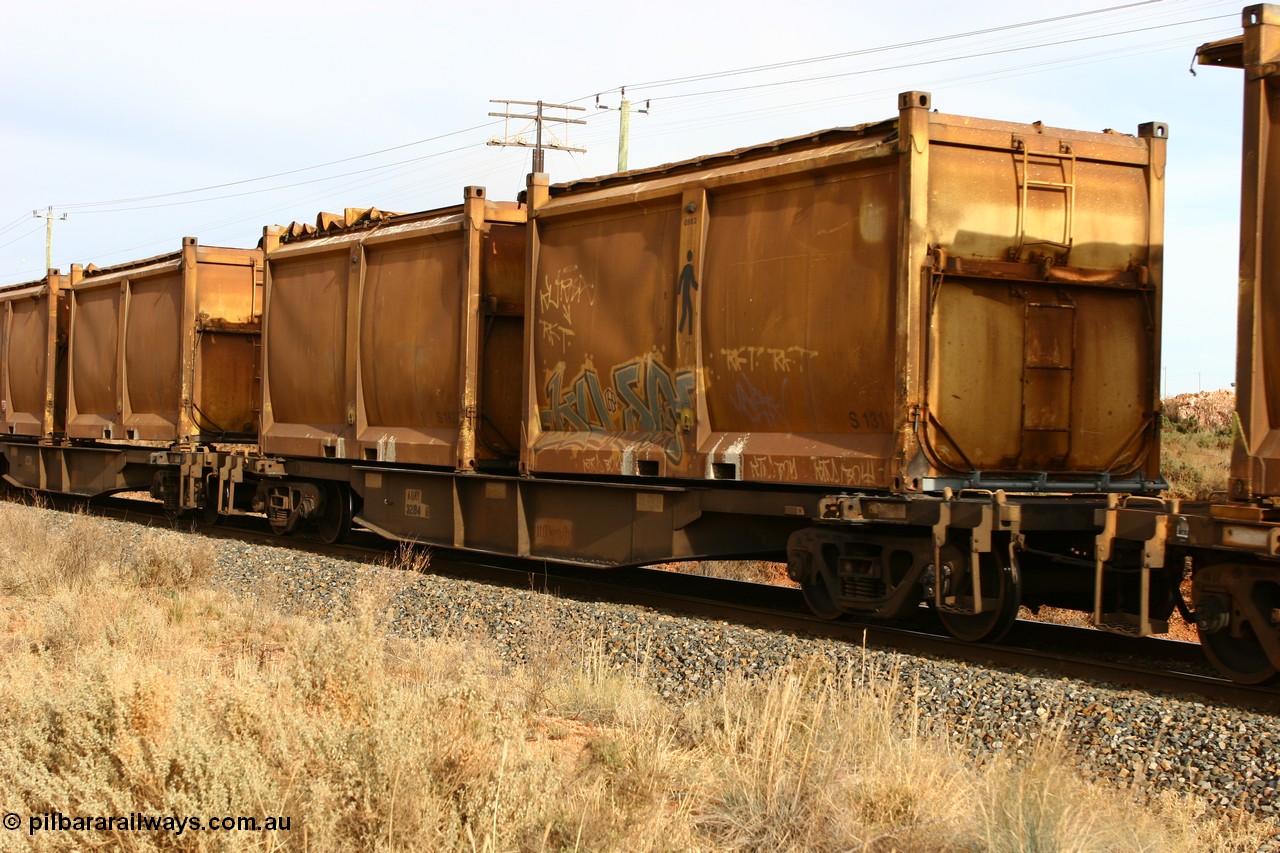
[641, 395]
[685, 286]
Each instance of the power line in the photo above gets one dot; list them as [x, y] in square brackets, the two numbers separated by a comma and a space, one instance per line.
[21, 238]
[657, 83]
[81, 207]
[983, 55]
[693, 78]
[874, 95]
[279, 174]
[383, 167]
[14, 224]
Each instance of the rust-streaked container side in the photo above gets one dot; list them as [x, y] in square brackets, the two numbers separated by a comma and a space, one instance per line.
[1255, 457]
[917, 303]
[166, 348]
[33, 329]
[398, 340]
[1043, 301]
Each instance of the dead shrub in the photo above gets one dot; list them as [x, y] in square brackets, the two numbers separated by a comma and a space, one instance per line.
[171, 701]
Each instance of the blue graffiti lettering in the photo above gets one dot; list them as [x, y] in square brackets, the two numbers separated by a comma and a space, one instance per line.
[645, 397]
[754, 404]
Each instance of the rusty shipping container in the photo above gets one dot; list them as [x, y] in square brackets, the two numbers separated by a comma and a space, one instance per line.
[397, 338]
[166, 349]
[1255, 459]
[928, 301]
[33, 330]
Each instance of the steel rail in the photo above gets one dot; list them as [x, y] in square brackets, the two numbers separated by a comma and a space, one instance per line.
[1163, 666]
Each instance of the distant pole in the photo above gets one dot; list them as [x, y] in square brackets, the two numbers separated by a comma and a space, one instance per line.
[624, 125]
[539, 159]
[48, 233]
[624, 133]
[539, 116]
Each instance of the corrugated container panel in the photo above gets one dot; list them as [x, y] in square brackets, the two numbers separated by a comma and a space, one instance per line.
[32, 369]
[166, 349]
[923, 302]
[389, 340]
[1255, 456]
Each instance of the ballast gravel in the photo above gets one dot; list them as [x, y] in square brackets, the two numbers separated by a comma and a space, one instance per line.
[1135, 739]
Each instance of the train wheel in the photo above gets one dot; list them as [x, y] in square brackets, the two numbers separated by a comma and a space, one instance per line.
[279, 525]
[1001, 595]
[822, 593]
[334, 522]
[1234, 618]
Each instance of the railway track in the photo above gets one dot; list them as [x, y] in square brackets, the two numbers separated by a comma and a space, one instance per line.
[1158, 665]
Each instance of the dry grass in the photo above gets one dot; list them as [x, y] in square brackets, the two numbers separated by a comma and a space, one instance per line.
[1195, 462]
[1195, 444]
[126, 685]
[755, 571]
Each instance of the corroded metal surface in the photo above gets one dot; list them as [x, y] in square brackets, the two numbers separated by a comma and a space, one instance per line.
[388, 336]
[937, 300]
[166, 349]
[32, 334]
[1255, 463]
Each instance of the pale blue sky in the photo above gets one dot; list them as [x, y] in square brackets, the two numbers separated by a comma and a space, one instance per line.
[141, 100]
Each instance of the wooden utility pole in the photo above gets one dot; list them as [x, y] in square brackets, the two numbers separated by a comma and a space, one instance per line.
[624, 125]
[537, 118]
[48, 233]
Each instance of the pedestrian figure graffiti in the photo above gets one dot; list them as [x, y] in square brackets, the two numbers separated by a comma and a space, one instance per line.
[685, 287]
